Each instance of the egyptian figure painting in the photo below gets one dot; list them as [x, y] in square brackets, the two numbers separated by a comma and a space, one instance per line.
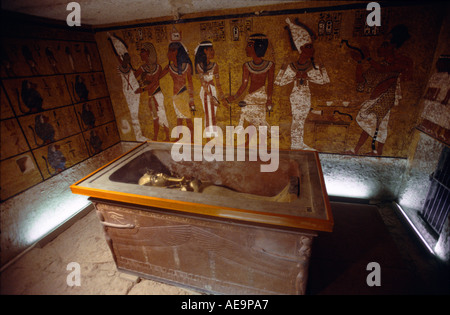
[326, 79]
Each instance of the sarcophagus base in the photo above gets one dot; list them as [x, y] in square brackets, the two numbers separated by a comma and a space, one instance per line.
[209, 255]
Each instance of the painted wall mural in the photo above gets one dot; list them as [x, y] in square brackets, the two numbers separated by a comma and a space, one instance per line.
[301, 72]
[435, 118]
[55, 106]
[329, 81]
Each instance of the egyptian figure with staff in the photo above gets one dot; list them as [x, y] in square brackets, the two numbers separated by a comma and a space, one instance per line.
[260, 73]
[301, 72]
[150, 72]
[211, 91]
[129, 83]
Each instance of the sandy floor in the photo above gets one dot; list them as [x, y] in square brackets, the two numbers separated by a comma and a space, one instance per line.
[44, 270]
[338, 262]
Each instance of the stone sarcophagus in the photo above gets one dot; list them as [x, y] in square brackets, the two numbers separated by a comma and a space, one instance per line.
[221, 226]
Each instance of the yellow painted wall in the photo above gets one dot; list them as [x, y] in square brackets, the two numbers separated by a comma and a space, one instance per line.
[336, 129]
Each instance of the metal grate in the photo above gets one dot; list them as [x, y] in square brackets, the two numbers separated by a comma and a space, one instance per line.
[437, 204]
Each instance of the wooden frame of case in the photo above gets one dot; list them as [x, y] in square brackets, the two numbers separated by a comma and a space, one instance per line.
[283, 220]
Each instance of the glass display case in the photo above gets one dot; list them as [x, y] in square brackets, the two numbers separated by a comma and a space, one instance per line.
[294, 195]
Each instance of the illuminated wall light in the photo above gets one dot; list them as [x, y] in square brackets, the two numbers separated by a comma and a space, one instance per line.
[406, 200]
[414, 195]
[422, 239]
[362, 177]
[441, 251]
[347, 187]
[45, 222]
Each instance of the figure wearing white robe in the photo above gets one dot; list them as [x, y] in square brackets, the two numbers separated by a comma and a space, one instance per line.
[208, 95]
[300, 99]
[129, 85]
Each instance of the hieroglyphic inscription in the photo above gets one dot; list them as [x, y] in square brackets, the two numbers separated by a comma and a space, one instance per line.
[240, 28]
[213, 31]
[160, 33]
[329, 26]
